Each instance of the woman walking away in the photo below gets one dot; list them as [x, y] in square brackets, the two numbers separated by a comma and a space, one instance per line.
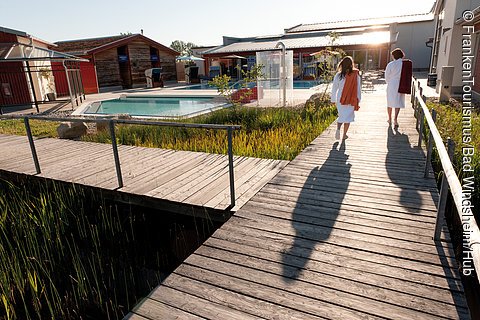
[346, 93]
[398, 76]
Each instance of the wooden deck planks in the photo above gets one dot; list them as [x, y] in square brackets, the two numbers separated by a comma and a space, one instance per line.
[344, 231]
[177, 176]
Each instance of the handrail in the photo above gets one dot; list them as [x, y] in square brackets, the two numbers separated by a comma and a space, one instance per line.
[124, 121]
[451, 176]
[112, 122]
[235, 83]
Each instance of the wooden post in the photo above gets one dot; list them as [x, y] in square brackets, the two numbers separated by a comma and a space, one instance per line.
[230, 167]
[32, 144]
[115, 153]
[412, 94]
[422, 123]
[430, 147]
[442, 201]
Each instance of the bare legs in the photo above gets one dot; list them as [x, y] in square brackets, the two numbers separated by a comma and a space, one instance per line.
[345, 130]
[389, 112]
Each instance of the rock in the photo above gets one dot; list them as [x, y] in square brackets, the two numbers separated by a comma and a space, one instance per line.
[71, 130]
[104, 125]
[123, 116]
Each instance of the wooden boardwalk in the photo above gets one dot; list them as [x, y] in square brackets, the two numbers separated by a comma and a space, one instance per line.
[344, 231]
[175, 177]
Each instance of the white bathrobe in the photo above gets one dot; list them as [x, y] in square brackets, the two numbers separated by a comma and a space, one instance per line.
[392, 77]
[346, 113]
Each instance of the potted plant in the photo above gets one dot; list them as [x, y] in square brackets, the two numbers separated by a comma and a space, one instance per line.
[46, 74]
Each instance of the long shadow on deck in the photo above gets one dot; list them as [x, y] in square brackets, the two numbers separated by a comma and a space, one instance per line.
[399, 151]
[317, 210]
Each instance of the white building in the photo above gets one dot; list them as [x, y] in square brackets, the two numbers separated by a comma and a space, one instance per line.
[456, 34]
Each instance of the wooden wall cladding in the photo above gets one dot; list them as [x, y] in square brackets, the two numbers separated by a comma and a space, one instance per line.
[108, 71]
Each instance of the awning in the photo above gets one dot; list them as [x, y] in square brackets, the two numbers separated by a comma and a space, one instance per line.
[233, 56]
[11, 52]
[310, 41]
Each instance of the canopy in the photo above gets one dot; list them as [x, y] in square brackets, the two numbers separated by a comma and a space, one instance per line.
[233, 56]
[189, 58]
[10, 52]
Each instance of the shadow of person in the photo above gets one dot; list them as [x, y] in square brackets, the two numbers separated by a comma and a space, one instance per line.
[317, 209]
[399, 159]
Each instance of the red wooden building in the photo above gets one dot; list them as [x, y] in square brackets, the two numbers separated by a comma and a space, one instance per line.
[14, 82]
[118, 62]
[27, 68]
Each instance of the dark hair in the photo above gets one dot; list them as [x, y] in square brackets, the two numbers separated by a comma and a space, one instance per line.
[345, 66]
[398, 53]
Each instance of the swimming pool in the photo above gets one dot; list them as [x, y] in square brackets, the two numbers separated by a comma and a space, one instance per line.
[206, 86]
[297, 84]
[164, 107]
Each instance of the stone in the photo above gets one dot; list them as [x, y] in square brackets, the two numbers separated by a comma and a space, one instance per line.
[71, 130]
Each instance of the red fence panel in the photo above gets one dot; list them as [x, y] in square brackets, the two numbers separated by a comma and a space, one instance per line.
[61, 84]
[13, 84]
[89, 78]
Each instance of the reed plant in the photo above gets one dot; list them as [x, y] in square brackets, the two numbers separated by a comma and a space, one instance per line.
[62, 257]
[274, 133]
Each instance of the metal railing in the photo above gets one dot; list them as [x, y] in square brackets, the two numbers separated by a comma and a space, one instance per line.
[112, 122]
[449, 178]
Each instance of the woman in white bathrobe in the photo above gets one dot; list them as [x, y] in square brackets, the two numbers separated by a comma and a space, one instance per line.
[346, 113]
[393, 72]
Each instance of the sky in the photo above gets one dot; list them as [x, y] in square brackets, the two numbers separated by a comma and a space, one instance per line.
[202, 22]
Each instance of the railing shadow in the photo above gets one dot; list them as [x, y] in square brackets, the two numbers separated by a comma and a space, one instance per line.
[399, 147]
[316, 211]
[455, 286]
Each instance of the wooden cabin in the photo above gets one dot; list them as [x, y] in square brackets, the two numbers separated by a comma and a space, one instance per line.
[119, 62]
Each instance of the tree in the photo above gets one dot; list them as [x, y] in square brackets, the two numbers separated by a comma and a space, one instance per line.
[224, 87]
[328, 59]
[185, 48]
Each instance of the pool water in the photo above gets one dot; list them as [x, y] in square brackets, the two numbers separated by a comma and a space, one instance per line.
[168, 107]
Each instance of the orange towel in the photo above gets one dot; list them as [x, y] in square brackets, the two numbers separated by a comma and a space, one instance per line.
[349, 93]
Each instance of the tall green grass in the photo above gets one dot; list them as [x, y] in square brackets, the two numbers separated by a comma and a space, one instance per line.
[60, 257]
[39, 128]
[449, 124]
[274, 133]
[67, 253]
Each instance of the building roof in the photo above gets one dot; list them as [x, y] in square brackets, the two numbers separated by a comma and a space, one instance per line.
[12, 31]
[310, 41]
[24, 35]
[333, 25]
[95, 45]
[10, 52]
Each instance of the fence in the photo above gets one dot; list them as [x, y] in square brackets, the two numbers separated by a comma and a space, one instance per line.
[449, 179]
[112, 123]
[23, 84]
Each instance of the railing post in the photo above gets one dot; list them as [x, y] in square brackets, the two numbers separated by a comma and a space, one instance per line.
[430, 147]
[416, 106]
[32, 144]
[412, 94]
[115, 153]
[442, 201]
[230, 167]
[421, 117]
